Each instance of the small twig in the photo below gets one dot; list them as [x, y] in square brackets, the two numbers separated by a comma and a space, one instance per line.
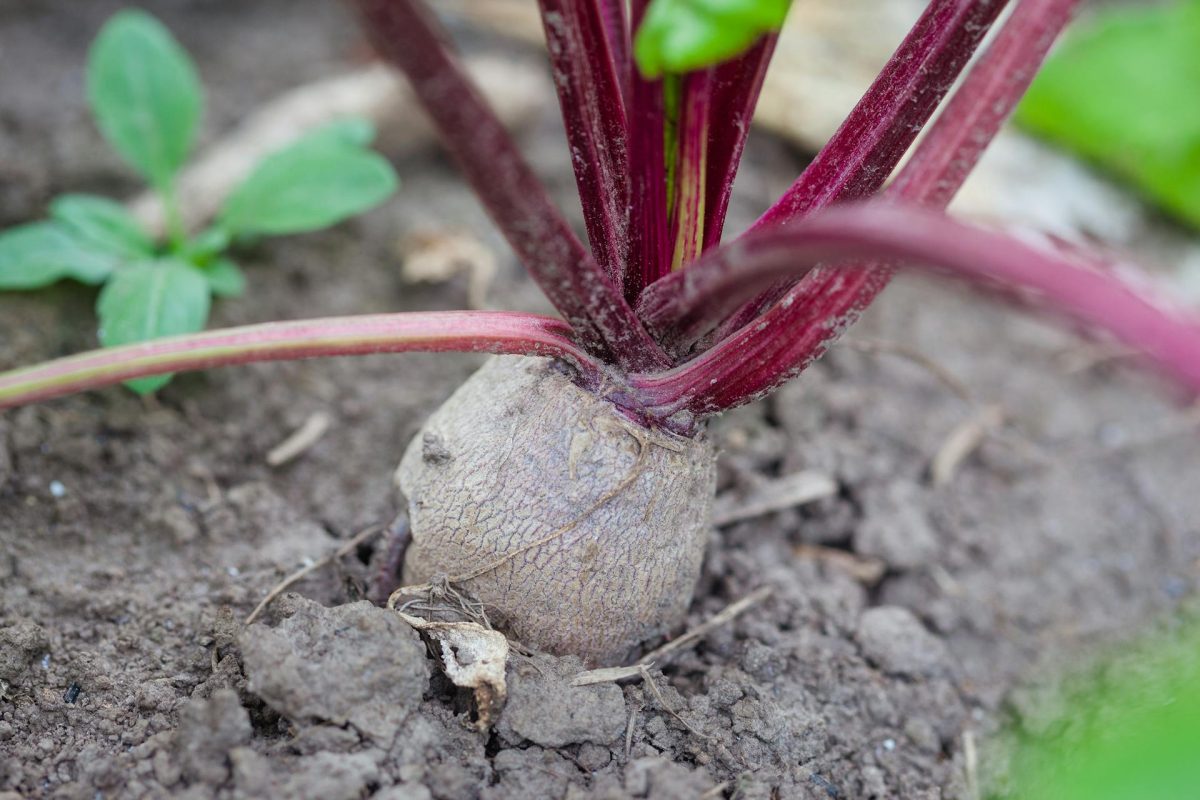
[971, 764]
[865, 569]
[780, 494]
[944, 376]
[629, 728]
[716, 791]
[648, 680]
[359, 538]
[1090, 356]
[727, 614]
[964, 440]
[639, 667]
[300, 440]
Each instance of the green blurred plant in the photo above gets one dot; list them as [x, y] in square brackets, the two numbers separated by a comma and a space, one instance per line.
[1124, 92]
[679, 36]
[1132, 733]
[147, 101]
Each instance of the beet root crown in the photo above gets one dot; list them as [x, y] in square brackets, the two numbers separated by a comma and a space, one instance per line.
[659, 316]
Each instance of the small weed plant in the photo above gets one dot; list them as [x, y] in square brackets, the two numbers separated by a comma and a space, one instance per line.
[147, 101]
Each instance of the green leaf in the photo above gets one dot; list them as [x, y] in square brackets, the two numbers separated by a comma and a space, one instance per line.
[1122, 92]
[205, 246]
[352, 131]
[41, 253]
[1130, 729]
[225, 278]
[102, 223]
[316, 182]
[680, 36]
[150, 300]
[144, 94]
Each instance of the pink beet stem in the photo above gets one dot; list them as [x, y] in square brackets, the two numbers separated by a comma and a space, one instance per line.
[404, 33]
[464, 331]
[930, 239]
[780, 343]
[870, 143]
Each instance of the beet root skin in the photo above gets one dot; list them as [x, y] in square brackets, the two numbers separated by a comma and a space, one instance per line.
[580, 531]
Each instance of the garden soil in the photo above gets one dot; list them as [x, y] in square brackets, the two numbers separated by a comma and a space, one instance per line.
[914, 628]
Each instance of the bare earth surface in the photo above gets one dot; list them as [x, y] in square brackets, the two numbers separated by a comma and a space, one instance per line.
[909, 623]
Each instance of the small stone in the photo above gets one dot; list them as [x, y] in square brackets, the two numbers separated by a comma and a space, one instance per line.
[177, 524]
[544, 708]
[20, 644]
[354, 664]
[404, 791]
[208, 730]
[896, 527]
[896, 642]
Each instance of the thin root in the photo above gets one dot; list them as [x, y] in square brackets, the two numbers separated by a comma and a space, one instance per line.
[362, 536]
[727, 614]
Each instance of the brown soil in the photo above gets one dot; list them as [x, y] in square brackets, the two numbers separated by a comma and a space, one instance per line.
[134, 536]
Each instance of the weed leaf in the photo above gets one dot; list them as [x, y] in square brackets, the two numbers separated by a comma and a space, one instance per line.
[150, 300]
[41, 253]
[103, 224]
[225, 278]
[319, 181]
[144, 94]
[204, 246]
[352, 131]
[680, 36]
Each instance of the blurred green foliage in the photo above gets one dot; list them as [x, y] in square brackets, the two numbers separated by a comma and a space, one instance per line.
[678, 36]
[1132, 733]
[1123, 90]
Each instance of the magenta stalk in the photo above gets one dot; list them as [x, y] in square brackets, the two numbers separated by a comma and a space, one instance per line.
[777, 345]
[931, 240]
[462, 331]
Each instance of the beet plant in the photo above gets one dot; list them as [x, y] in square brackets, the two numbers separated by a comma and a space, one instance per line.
[569, 493]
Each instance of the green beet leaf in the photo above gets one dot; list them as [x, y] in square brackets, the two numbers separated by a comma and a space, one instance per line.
[225, 278]
[150, 300]
[1124, 92]
[316, 182]
[41, 253]
[680, 36]
[103, 224]
[144, 94]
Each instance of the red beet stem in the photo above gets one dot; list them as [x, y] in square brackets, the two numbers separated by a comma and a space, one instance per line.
[866, 148]
[929, 239]
[780, 343]
[405, 34]
[590, 95]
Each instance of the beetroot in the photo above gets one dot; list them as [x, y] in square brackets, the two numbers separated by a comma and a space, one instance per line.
[570, 494]
[579, 530]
